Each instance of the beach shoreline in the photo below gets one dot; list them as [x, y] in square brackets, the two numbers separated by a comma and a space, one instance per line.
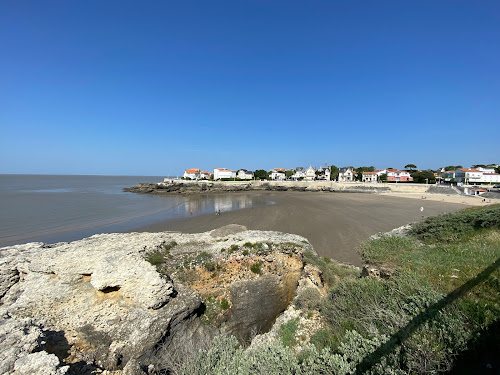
[335, 224]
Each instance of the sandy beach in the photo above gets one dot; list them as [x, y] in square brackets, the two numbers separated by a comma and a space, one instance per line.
[334, 223]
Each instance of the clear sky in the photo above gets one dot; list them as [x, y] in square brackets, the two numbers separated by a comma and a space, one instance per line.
[155, 87]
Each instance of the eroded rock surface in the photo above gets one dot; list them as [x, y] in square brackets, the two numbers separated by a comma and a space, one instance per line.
[99, 301]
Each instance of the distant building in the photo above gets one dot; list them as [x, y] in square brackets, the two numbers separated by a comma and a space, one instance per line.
[245, 174]
[468, 175]
[205, 174]
[369, 177]
[491, 178]
[471, 176]
[324, 173]
[220, 173]
[300, 173]
[192, 174]
[346, 174]
[486, 170]
[448, 176]
[398, 176]
[278, 175]
[310, 174]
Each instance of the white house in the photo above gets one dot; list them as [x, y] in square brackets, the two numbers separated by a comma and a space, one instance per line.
[245, 174]
[300, 173]
[491, 178]
[325, 173]
[192, 174]
[346, 174]
[369, 177]
[205, 174]
[310, 174]
[220, 173]
[277, 175]
[468, 175]
[486, 170]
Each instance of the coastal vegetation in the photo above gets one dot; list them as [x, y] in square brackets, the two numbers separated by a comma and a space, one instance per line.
[439, 296]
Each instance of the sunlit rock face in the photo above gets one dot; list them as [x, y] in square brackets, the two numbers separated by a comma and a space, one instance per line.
[104, 302]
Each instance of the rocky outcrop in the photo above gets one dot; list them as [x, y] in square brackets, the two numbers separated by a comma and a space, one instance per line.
[179, 187]
[121, 302]
[188, 188]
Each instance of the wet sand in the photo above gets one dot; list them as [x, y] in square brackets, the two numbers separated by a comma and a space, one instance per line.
[334, 223]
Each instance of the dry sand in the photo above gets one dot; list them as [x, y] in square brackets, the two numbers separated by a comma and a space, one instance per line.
[334, 223]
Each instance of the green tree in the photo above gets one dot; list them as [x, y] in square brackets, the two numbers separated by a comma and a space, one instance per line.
[452, 167]
[411, 167]
[360, 170]
[423, 176]
[289, 173]
[497, 169]
[261, 174]
[383, 177]
[334, 172]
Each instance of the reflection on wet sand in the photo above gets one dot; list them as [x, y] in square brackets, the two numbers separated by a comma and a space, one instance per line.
[205, 204]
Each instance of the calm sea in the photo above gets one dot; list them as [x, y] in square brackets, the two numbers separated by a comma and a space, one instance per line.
[53, 208]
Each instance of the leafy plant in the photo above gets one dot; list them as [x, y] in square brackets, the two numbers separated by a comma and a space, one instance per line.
[288, 331]
[255, 268]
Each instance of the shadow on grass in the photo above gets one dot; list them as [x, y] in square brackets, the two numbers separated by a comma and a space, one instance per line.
[399, 337]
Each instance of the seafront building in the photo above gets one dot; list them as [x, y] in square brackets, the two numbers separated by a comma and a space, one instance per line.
[220, 173]
[192, 174]
[300, 174]
[346, 174]
[278, 174]
[476, 176]
[395, 175]
[245, 174]
[369, 177]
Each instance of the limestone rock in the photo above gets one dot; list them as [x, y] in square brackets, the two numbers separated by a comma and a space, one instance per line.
[39, 363]
[97, 303]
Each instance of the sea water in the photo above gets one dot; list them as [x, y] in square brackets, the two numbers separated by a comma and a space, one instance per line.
[53, 208]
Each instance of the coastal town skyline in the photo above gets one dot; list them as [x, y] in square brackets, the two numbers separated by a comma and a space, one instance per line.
[150, 89]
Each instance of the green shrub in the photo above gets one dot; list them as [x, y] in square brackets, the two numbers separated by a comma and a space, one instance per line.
[255, 268]
[288, 331]
[224, 304]
[170, 245]
[324, 338]
[331, 271]
[308, 299]
[454, 226]
[245, 252]
[156, 258]
[209, 266]
[203, 256]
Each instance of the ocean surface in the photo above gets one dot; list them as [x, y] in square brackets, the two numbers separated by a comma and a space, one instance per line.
[54, 208]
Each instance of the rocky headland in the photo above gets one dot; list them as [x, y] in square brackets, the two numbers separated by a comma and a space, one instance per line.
[137, 303]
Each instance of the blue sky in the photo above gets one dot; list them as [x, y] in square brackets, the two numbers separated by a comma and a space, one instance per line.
[153, 88]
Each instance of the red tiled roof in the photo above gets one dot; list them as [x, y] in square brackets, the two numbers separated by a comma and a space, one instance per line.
[224, 170]
[205, 172]
[469, 170]
[193, 170]
[369, 172]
